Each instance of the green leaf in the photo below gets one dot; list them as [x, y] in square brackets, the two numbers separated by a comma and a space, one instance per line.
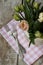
[38, 26]
[33, 1]
[41, 10]
[41, 27]
[17, 17]
[32, 37]
[28, 12]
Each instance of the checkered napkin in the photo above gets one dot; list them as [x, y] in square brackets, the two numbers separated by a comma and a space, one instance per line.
[6, 30]
[32, 53]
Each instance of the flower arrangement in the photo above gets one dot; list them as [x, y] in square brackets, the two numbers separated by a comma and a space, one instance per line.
[30, 15]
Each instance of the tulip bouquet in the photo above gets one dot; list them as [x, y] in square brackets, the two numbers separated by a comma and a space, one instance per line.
[30, 15]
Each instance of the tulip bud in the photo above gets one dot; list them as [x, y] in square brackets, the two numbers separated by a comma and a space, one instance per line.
[16, 17]
[21, 7]
[17, 8]
[38, 34]
[41, 17]
[28, 1]
[36, 5]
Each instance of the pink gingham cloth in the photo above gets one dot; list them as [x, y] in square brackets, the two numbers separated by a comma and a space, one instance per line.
[33, 52]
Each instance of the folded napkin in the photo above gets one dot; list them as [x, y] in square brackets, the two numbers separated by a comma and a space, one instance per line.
[33, 52]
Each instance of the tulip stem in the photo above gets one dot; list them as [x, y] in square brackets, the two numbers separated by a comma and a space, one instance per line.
[22, 1]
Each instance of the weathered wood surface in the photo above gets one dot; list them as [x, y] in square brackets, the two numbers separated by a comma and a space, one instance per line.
[7, 54]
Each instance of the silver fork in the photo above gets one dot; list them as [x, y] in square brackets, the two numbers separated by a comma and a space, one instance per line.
[21, 48]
